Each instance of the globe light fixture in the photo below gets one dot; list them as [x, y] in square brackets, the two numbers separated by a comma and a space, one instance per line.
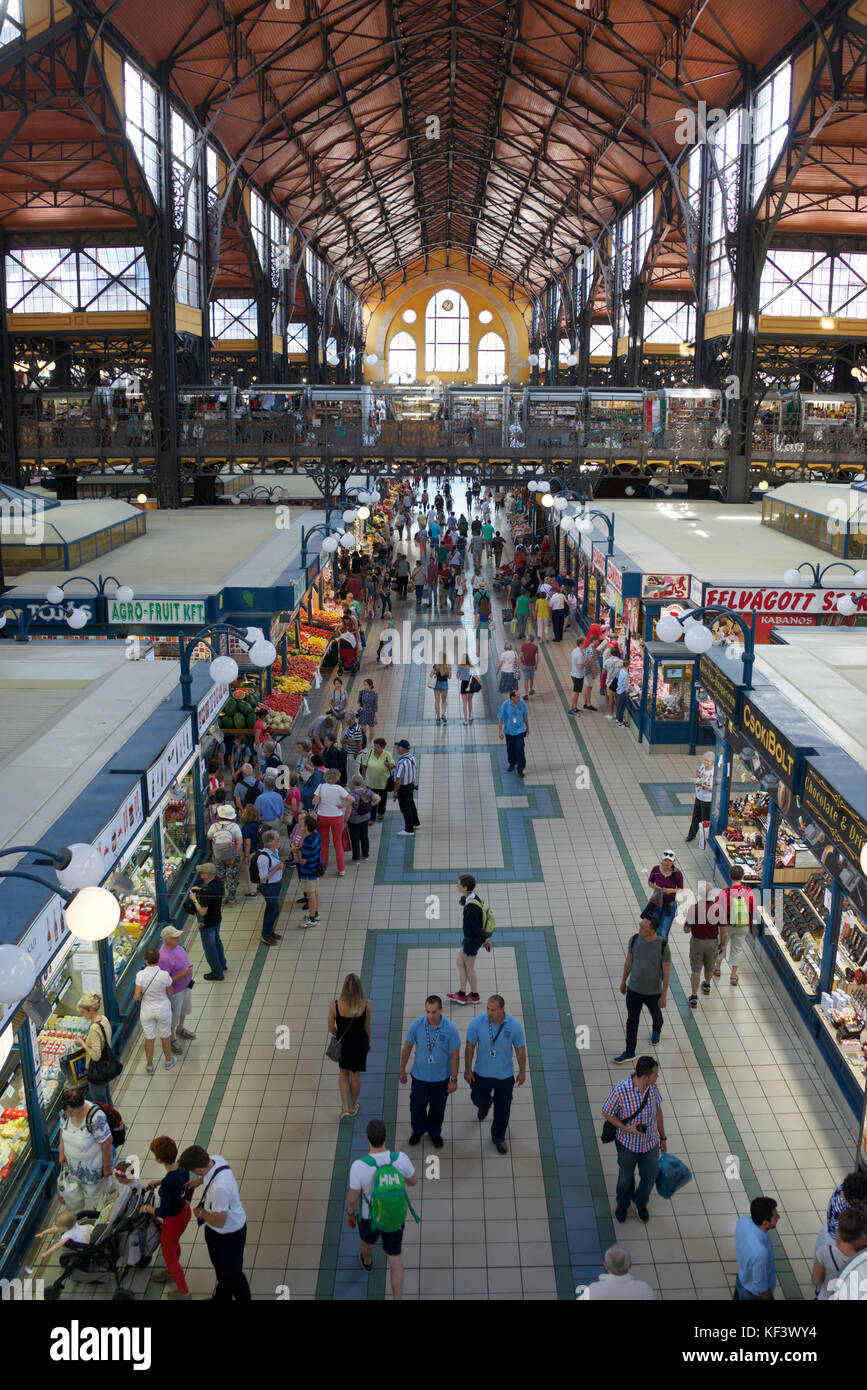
[846, 606]
[571, 360]
[349, 515]
[17, 974]
[84, 870]
[864, 857]
[363, 513]
[76, 618]
[223, 670]
[548, 499]
[371, 359]
[793, 577]
[409, 315]
[698, 638]
[263, 654]
[533, 359]
[93, 914]
[142, 498]
[329, 545]
[630, 492]
[254, 634]
[668, 629]
[860, 578]
[124, 594]
[347, 541]
[54, 594]
[560, 504]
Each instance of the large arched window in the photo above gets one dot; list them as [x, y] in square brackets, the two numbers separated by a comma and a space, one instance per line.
[492, 359]
[402, 358]
[447, 333]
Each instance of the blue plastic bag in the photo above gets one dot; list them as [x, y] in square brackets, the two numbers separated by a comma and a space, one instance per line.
[671, 1174]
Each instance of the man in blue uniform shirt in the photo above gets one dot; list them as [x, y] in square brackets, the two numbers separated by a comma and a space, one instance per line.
[494, 1034]
[437, 1044]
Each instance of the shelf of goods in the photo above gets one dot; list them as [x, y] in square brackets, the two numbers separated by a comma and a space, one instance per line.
[837, 411]
[800, 935]
[138, 908]
[691, 411]
[743, 842]
[614, 413]
[843, 1012]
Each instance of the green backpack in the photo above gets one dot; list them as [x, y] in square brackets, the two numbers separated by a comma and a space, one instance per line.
[489, 921]
[739, 912]
[389, 1203]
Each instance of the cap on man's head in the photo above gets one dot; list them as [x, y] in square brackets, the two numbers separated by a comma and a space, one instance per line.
[401, 743]
[170, 934]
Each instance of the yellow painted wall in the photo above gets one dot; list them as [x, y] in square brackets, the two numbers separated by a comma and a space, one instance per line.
[386, 321]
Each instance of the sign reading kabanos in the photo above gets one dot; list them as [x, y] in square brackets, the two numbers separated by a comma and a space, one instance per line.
[778, 750]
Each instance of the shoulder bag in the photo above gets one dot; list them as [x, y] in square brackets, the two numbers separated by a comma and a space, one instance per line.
[334, 1047]
[106, 1066]
[609, 1131]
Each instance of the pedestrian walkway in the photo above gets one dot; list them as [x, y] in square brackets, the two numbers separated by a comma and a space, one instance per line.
[562, 859]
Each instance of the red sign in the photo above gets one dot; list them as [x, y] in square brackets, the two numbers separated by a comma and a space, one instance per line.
[781, 601]
[614, 575]
[600, 559]
[665, 586]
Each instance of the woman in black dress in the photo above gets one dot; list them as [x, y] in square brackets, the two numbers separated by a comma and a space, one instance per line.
[349, 1020]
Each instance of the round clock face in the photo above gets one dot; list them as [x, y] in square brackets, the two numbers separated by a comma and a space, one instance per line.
[448, 305]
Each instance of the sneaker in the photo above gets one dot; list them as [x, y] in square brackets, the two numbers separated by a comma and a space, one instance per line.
[693, 1001]
[620, 1213]
[302, 902]
[438, 719]
[341, 873]
[474, 998]
[437, 1141]
[644, 1213]
[571, 711]
[316, 920]
[624, 1057]
[705, 987]
[172, 1062]
[501, 1146]
[367, 1268]
[176, 1293]
[609, 716]
[161, 1276]
[406, 834]
[459, 997]
[309, 922]
[212, 977]
[520, 773]
[183, 1033]
[150, 1070]
[511, 767]
[415, 1139]
[177, 1047]
[445, 721]
[655, 1035]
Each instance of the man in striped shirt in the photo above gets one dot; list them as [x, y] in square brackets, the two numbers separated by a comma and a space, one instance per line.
[635, 1110]
[404, 787]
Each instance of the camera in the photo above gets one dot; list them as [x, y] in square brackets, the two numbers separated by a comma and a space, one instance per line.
[642, 1129]
[200, 1220]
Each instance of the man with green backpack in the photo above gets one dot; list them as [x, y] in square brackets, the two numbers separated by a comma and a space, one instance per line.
[379, 1181]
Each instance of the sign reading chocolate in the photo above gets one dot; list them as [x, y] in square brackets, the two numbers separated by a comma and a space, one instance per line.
[844, 826]
[777, 750]
[722, 691]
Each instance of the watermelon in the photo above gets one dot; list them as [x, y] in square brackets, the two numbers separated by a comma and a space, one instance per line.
[230, 706]
[240, 721]
[251, 720]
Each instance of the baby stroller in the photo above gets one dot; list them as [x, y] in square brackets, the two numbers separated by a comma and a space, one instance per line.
[350, 658]
[120, 1244]
[503, 577]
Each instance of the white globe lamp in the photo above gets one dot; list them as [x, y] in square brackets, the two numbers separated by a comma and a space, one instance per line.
[17, 974]
[93, 914]
[263, 654]
[223, 670]
[84, 870]
[54, 594]
[668, 629]
[124, 594]
[699, 638]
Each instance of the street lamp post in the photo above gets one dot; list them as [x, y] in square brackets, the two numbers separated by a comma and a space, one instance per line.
[77, 617]
[699, 638]
[845, 604]
[223, 668]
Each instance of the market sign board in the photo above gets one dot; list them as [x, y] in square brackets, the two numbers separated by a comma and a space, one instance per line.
[158, 612]
[778, 752]
[614, 575]
[163, 772]
[210, 706]
[782, 601]
[662, 586]
[844, 826]
[724, 691]
[42, 613]
[600, 559]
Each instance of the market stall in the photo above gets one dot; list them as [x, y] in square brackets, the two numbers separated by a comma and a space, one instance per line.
[688, 417]
[616, 419]
[553, 417]
[337, 416]
[478, 416]
[828, 422]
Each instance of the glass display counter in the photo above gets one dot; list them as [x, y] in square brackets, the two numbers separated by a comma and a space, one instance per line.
[665, 710]
[842, 1011]
[179, 834]
[14, 1122]
[797, 925]
[138, 913]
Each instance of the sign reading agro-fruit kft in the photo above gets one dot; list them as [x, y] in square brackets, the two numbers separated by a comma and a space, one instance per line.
[158, 612]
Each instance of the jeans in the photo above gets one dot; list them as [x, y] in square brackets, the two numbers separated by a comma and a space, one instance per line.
[515, 751]
[406, 802]
[402, 581]
[227, 1257]
[386, 603]
[271, 893]
[213, 949]
[427, 1106]
[359, 839]
[481, 1090]
[558, 618]
[419, 593]
[622, 703]
[98, 1093]
[647, 1164]
[634, 1004]
[521, 624]
[743, 1295]
[667, 915]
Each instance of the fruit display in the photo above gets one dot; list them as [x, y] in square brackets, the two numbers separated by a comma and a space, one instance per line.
[61, 1035]
[238, 714]
[14, 1139]
[329, 616]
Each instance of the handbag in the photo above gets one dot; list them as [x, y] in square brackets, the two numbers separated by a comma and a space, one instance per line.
[431, 681]
[475, 685]
[346, 841]
[106, 1067]
[508, 614]
[334, 1046]
[190, 907]
[609, 1131]
[69, 1191]
[657, 897]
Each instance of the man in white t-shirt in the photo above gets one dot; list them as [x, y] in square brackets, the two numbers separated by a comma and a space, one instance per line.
[557, 604]
[616, 1284]
[224, 1219]
[361, 1180]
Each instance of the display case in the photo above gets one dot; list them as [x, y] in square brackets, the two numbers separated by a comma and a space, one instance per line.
[337, 415]
[776, 425]
[796, 922]
[178, 830]
[667, 687]
[478, 416]
[138, 912]
[842, 1010]
[553, 419]
[15, 1146]
[616, 419]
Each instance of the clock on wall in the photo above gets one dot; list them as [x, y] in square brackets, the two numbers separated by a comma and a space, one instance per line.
[448, 305]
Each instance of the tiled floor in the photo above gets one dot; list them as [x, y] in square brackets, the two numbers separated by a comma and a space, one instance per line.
[563, 865]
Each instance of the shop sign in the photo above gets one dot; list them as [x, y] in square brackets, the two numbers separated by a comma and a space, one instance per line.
[695, 591]
[112, 841]
[158, 612]
[211, 706]
[614, 575]
[586, 544]
[665, 585]
[600, 559]
[844, 826]
[163, 772]
[778, 751]
[722, 691]
[783, 602]
[41, 940]
[55, 614]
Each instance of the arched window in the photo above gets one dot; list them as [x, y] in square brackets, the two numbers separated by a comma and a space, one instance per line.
[492, 359]
[447, 333]
[402, 358]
